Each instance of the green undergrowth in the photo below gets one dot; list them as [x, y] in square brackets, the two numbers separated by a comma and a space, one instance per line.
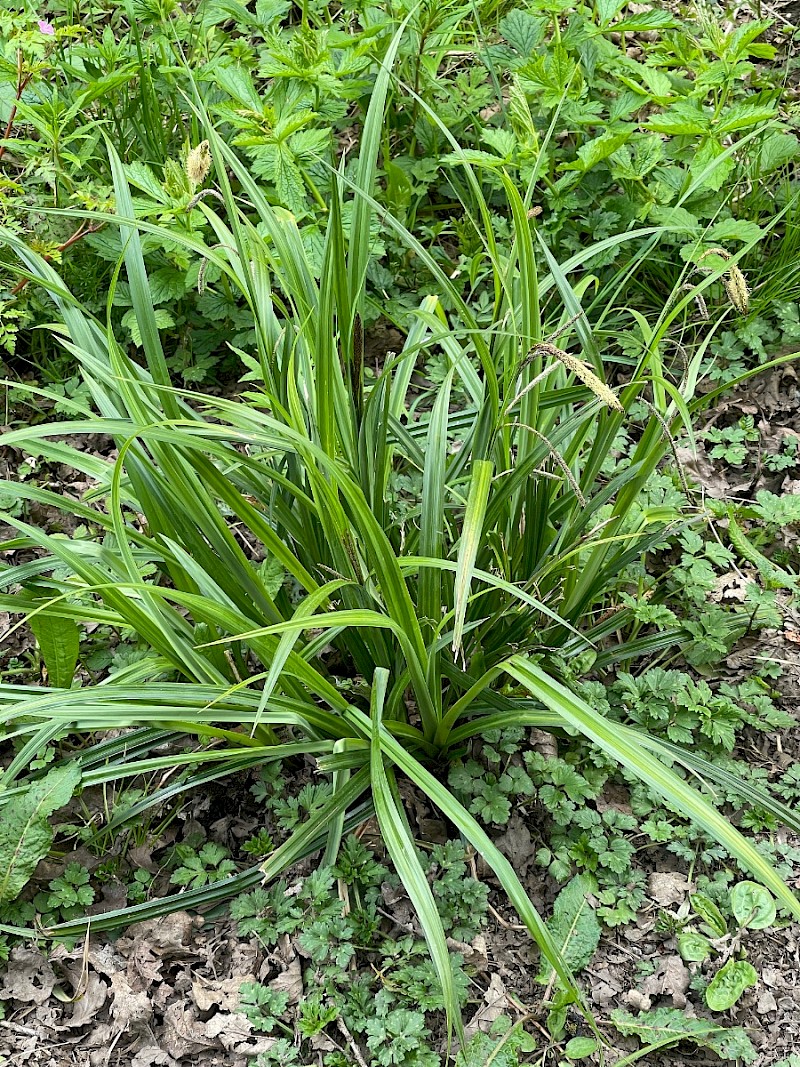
[476, 569]
[626, 118]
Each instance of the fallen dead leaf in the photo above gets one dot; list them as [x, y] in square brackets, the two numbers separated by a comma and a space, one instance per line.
[290, 981]
[28, 977]
[668, 887]
[495, 1004]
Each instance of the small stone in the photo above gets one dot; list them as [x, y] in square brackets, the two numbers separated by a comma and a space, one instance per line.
[766, 1003]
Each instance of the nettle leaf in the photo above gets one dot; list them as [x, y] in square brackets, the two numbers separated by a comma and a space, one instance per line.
[777, 149]
[729, 983]
[655, 19]
[684, 118]
[598, 149]
[310, 144]
[289, 181]
[59, 643]
[752, 905]
[143, 178]
[166, 284]
[741, 116]
[25, 834]
[523, 31]
[607, 9]
[676, 218]
[502, 141]
[574, 925]
[672, 1024]
[236, 82]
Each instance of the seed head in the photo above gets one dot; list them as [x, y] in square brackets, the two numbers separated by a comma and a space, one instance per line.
[734, 281]
[198, 164]
[584, 374]
[736, 288]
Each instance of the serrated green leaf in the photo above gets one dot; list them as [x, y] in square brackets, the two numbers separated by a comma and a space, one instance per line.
[161, 317]
[574, 925]
[668, 1026]
[596, 150]
[741, 116]
[777, 149]
[655, 19]
[682, 119]
[25, 834]
[743, 230]
[523, 31]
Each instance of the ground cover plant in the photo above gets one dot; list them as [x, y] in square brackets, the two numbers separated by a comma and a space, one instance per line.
[400, 566]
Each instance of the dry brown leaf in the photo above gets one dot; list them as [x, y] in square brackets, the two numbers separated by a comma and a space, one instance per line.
[222, 994]
[668, 887]
[290, 981]
[27, 976]
[90, 1002]
[183, 1034]
[495, 1004]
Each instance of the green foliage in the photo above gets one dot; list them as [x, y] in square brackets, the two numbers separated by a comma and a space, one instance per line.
[753, 908]
[261, 1005]
[195, 869]
[25, 833]
[574, 925]
[59, 641]
[669, 1025]
[502, 1045]
[70, 893]
[348, 561]
[728, 984]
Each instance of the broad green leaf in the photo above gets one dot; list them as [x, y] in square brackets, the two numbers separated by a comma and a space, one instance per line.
[710, 914]
[25, 834]
[742, 115]
[752, 905]
[682, 119]
[580, 1047]
[655, 19]
[59, 643]
[743, 230]
[595, 151]
[523, 31]
[776, 150]
[729, 983]
[574, 925]
[607, 9]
